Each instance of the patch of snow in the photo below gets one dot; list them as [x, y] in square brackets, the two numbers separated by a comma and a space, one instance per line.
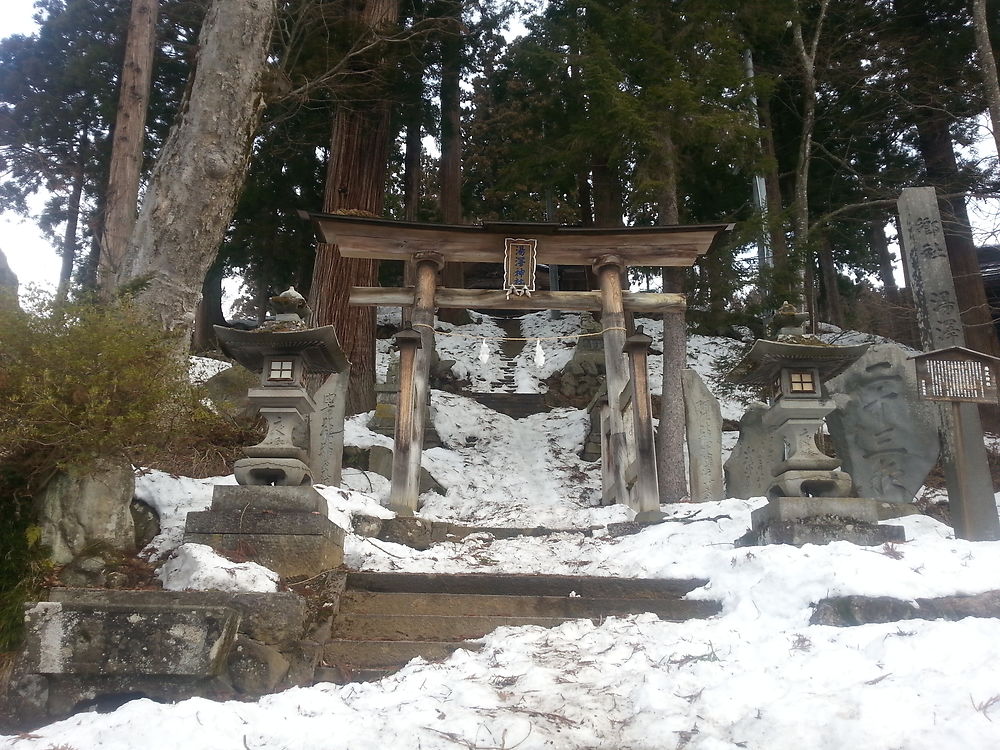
[633, 682]
[757, 675]
[196, 567]
[172, 498]
[200, 369]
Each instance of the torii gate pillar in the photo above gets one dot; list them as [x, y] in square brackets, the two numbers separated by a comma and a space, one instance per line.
[414, 387]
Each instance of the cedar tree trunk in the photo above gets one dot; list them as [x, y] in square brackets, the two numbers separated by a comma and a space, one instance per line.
[125, 172]
[453, 274]
[355, 180]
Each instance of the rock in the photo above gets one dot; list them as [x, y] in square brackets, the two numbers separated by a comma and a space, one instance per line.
[413, 532]
[254, 668]
[24, 703]
[370, 526]
[749, 469]
[85, 571]
[355, 457]
[843, 611]
[146, 521]
[78, 510]
[228, 390]
[703, 423]
[303, 659]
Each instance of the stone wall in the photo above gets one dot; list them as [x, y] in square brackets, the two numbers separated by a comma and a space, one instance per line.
[87, 648]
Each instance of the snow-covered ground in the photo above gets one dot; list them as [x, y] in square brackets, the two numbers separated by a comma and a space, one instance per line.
[756, 676]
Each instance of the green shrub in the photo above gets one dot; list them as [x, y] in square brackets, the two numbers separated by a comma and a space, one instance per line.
[80, 383]
[23, 563]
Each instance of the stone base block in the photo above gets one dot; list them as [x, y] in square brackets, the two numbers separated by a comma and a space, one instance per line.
[265, 617]
[92, 649]
[115, 639]
[295, 499]
[288, 556]
[820, 520]
[289, 543]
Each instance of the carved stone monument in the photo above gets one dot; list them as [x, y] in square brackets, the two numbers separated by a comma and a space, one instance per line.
[885, 436]
[704, 439]
[749, 469]
[970, 487]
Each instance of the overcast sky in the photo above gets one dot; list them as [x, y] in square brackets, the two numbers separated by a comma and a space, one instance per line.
[30, 256]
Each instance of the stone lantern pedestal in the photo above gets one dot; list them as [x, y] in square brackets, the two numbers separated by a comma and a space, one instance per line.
[809, 498]
[275, 517]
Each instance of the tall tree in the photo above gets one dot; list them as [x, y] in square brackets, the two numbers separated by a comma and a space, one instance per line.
[198, 176]
[987, 66]
[807, 54]
[355, 181]
[451, 143]
[56, 97]
[128, 144]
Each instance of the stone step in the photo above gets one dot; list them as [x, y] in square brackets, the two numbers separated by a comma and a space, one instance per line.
[367, 654]
[517, 405]
[429, 627]
[523, 585]
[343, 674]
[395, 603]
[387, 619]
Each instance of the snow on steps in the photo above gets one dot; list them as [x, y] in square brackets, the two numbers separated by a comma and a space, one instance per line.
[386, 619]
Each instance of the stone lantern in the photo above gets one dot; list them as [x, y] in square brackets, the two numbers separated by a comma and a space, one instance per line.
[794, 374]
[275, 516]
[809, 499]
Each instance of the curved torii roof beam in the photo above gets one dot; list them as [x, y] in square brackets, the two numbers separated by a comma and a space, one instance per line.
[360, 237]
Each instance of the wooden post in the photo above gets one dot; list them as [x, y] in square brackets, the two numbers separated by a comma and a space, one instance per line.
[646, 490]
[403, 498]
[404, 490]
[609, 273]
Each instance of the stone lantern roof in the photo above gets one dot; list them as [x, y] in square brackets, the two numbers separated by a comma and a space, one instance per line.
[765, 360]
[319, 348]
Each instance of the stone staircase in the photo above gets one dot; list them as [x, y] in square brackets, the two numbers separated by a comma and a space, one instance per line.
[516, 405]
[506, 400]
[386, 619]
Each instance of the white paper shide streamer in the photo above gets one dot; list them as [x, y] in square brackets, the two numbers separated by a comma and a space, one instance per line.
[539, 354]
[484, 353]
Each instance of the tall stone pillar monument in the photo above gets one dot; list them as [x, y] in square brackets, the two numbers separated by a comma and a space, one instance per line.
[970, 488]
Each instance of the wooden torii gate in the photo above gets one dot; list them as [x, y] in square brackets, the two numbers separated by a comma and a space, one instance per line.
[609, 251]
